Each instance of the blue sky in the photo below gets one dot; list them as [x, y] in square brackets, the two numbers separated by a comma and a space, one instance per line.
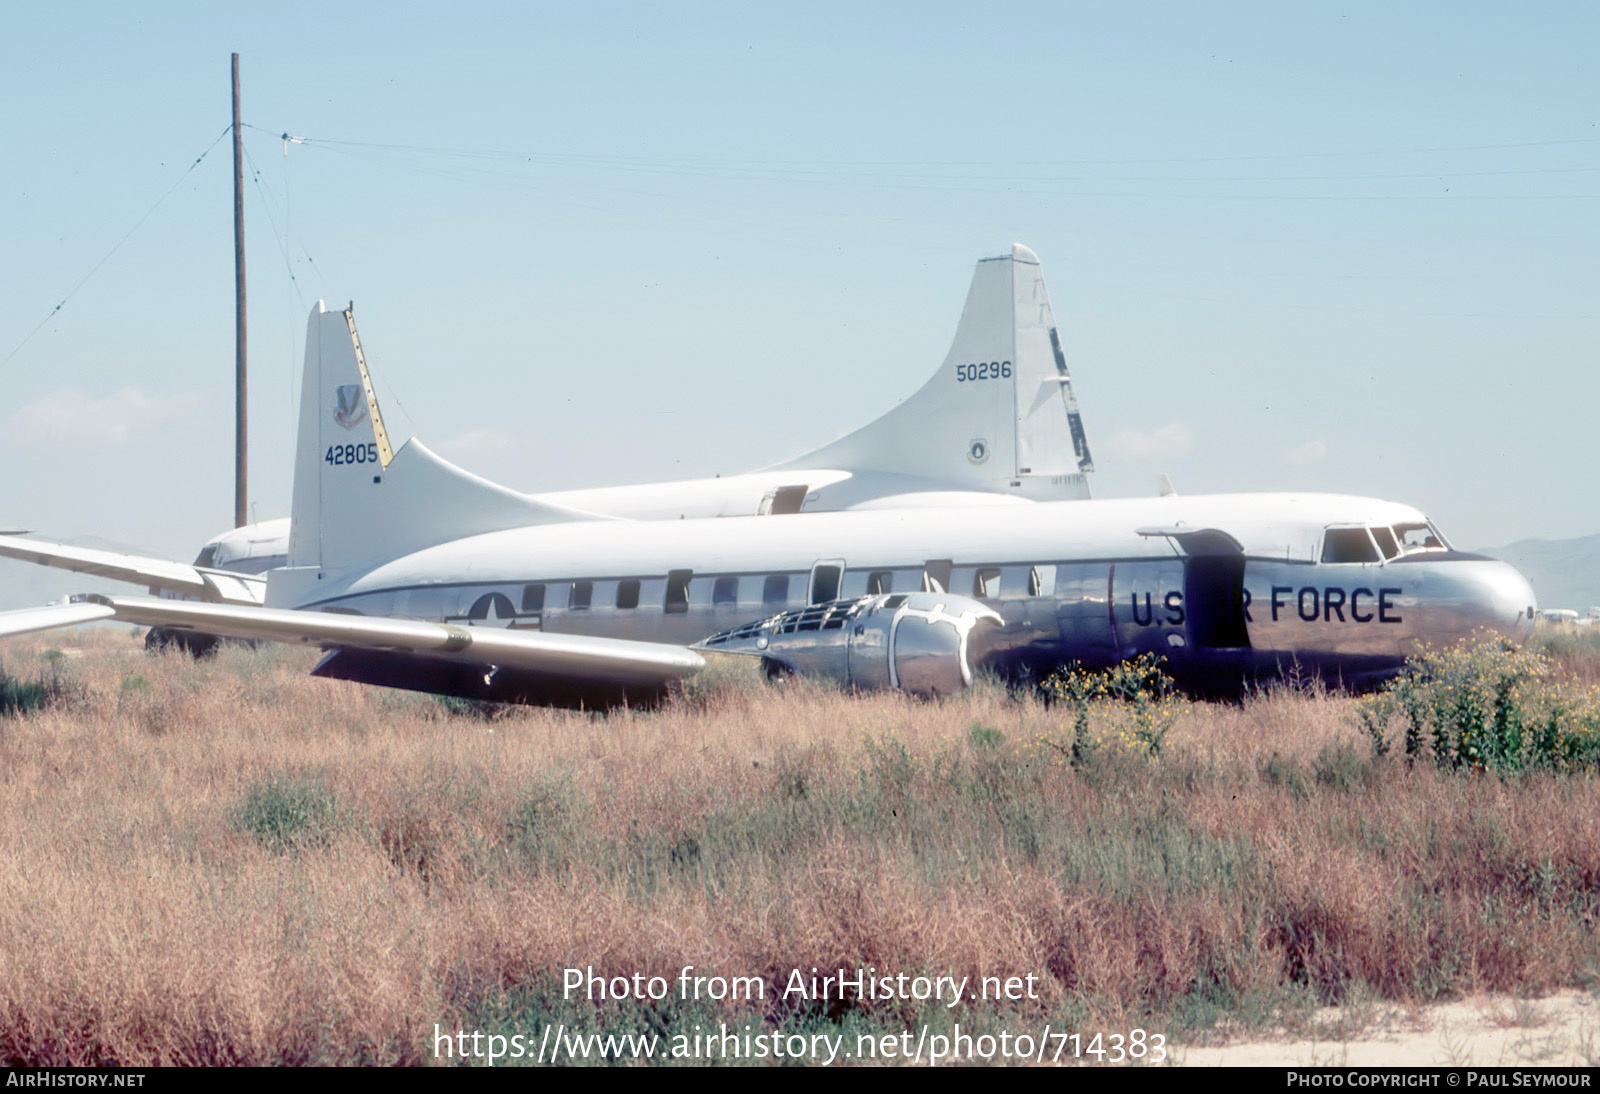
[1348, 248]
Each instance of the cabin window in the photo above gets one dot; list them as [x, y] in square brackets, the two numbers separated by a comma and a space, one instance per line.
[628, 593]
[825, 584]
[936, 575]
[532, 598]
[678, 590]
[430, 603]
[207, 556]
[880, 581]
[1348, 545]
[582, 592]
[775, 590]
[1386, 541]
[1014, 581]
[725, 591]
[1042, 581]
[986, 582]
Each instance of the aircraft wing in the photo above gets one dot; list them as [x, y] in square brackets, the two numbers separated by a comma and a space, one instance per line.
[577, 658]
[156, 574]
[51, 617]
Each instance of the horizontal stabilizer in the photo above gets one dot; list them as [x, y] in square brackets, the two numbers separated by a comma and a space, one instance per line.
[157, 574]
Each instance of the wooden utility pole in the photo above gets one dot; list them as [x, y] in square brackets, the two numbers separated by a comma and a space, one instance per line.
[240, 399]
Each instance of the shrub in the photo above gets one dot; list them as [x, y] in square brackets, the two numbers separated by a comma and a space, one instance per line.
[19, 696]
[288, 813]
[1485, 706]
[984, 737]
[1136, 700]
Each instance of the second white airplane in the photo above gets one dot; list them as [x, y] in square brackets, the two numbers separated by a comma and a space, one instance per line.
[1007, 430]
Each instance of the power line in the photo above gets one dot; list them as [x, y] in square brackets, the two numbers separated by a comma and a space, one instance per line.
[621, 161]
[226, 130]
[280, 240]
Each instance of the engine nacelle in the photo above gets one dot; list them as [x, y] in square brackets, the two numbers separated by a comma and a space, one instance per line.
[922, 643]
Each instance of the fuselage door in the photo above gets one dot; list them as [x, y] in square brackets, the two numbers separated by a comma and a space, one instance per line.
[783, 500]
[1213, 605]
[1214, 601]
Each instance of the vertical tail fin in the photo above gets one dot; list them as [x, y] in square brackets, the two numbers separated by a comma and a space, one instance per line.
[360, 500]
[998, 416]
[343, 448]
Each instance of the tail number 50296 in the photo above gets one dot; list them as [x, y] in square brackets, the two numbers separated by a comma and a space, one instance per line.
[983, 370]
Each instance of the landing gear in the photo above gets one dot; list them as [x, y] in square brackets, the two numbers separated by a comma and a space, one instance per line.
[195, 645]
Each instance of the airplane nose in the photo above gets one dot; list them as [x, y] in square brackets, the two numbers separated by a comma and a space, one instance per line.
[1518, 597]
[1451, 599]
[1501, 600]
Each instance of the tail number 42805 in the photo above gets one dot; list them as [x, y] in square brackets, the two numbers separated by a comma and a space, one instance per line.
[341, 454]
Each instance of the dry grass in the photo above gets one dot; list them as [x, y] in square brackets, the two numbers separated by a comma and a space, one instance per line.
[1575, 649]
[230, 862]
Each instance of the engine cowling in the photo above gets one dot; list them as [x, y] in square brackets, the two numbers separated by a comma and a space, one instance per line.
[922, 643]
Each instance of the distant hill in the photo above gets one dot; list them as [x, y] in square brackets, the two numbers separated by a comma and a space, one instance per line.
[1564, 573]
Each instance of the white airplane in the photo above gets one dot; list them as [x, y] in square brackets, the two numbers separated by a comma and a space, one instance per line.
[413, 573]
[997, 424]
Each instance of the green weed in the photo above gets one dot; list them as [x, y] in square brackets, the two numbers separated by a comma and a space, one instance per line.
[1485, 706]
[1137, 702]
[288, 813]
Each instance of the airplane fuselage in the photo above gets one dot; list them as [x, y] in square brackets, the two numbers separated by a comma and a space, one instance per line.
[1091, 582]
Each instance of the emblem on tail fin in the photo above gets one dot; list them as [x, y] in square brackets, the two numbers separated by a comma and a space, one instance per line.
[352, 408]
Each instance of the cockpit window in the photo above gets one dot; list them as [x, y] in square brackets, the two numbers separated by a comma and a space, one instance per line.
[1348, 545]
[1386, 541]
[1419, 537]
